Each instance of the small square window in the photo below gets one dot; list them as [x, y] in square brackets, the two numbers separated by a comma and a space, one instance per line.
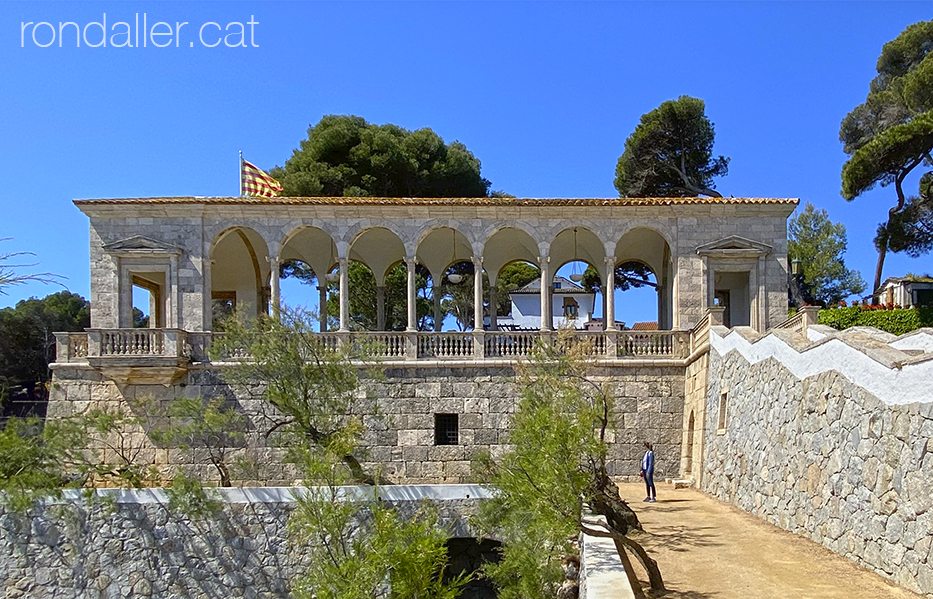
[556, 284]
[446, 429]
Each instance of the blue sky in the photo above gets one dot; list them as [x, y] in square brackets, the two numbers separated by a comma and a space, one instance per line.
[543, 93]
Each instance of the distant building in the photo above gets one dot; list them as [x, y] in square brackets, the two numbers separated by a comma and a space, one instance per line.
[572, 306]
[910, 291]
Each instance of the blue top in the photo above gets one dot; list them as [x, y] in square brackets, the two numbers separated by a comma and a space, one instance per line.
[647, 462]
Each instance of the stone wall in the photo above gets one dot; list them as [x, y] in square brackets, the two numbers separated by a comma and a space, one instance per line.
[649, 407]
[133, 546]
[823, 458]
[694, 421]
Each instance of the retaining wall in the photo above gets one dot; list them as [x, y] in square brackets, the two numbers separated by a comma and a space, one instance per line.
[649, 407]
[134, 547]
[809, 450]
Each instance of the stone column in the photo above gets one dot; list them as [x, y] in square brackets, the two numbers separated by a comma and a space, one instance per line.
[546, 284]
[493, 308]
[610, 297]
[380, 307]
[438, 317]
[322, 306]
[412, 306]
[477, 294]
[344, 296]
[274, 300]
[602, 292]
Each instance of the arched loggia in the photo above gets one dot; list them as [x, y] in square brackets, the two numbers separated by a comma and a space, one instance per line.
[644, 292]
[505, 247]
[444, 252]
[573, 247]
[306, 257]
[240, 274]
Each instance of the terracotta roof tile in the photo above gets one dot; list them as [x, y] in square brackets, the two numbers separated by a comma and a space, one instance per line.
[371, 201]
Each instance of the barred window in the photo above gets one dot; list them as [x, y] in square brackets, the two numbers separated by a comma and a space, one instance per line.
[446, 429]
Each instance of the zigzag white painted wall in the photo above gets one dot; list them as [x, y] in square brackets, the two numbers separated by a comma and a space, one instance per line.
[828, 438]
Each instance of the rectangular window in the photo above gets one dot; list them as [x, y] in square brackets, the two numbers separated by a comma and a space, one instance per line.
[556, 284]
[722, 413]
[446, 429]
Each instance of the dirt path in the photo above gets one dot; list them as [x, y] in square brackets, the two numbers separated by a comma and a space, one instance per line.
[707, 549]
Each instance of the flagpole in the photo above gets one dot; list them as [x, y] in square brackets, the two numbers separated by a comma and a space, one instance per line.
[240, 174]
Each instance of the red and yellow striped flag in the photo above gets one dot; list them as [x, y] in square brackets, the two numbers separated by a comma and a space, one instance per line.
[256, 182]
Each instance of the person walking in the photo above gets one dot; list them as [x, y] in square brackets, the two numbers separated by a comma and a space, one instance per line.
[647, 472]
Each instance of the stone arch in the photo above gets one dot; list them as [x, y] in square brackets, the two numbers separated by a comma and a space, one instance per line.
[379, 248]
[240, 271]
[507, 245]
[493, 228]
[439, 249]
[648, 246]
[312, 245]
[643, 244]
[576, 243]
[442, 246]
[363, 228]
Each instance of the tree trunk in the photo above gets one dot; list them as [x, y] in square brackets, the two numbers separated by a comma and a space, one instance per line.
[649, 564]
[606, 502]
[629, 571]
[881, 254]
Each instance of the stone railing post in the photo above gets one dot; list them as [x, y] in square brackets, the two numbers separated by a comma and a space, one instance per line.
[810, 315]
[612, 343]
[344, 338]
[676, 346]
[173, 341]
[93, 343]
[411, 345]
[63, 347]
[479, 345]
[716, 314]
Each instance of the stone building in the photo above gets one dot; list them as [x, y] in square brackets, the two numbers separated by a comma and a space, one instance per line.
[195, 256]
[826, 434]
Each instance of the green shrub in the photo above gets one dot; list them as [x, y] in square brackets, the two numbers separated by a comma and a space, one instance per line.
[897, 322]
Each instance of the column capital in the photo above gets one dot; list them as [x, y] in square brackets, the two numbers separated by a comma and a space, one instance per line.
[610, 260]
[544, 259]
[477, 261]
[273, 259]
[411, 261]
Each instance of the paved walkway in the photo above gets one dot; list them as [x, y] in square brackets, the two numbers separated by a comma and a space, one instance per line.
[707, 549]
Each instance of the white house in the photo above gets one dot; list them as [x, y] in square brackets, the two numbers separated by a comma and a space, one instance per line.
[572, 306]
[910, 291]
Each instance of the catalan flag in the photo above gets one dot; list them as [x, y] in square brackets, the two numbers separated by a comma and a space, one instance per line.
[255, 182]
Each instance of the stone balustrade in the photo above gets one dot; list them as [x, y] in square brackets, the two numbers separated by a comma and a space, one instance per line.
[141, 345]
